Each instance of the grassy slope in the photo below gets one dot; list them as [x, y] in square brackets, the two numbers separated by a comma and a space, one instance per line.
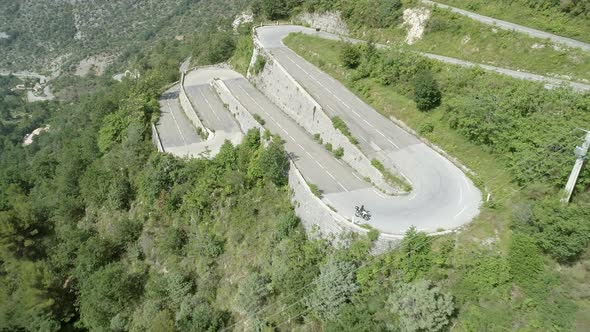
[493, 222]
[549, 20]
[460, 37]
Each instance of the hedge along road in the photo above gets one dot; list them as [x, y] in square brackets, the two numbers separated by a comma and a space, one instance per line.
[442, 197]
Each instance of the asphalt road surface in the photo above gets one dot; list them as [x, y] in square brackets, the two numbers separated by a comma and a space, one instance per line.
[175, 130]
[511, 26]
[443, 197]
[316, 164]
[273, 34]
[210, 108]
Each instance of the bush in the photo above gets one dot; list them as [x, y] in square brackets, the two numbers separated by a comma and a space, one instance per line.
[315, 189]
[417, 257]
[339, 153]
[259, 64]
[258, 119]
[524, 259]
[329, 146]
[561, 231]
[334, 286]
[389, 177]
[421, 306]
[252, 292]
[426, 128]
[350, 56]
[318, 138]
[426, 92]
[340, 125]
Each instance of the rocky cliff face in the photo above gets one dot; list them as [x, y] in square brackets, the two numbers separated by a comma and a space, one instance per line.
[328, 21]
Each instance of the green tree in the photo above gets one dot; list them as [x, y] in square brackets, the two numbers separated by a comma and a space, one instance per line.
[252, 292]
[112, 130]
[421, 306]
[415, 254]
[272, 164]
[27, 297]
[333, 287]
[427, 95]
[21, 230]
[561, 231]
[196, 314]
[221, 47]
[274, 9]
[162, 322]
[108, 292]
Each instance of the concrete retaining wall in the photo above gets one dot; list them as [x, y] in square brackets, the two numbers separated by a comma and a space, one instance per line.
[317, 218]
[244, 118]
[320, 221]
[156, 138]
[280, 87]
[188, 108]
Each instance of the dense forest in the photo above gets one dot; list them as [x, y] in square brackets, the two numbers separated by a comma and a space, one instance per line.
[100, 232]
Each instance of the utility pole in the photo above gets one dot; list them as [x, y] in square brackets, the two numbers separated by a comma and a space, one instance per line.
[580, 152]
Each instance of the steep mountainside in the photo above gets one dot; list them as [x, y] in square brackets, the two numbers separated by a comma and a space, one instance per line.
[34, 34]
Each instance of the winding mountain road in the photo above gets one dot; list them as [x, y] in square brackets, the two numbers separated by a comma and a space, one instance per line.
[512, 26]
[443, 197]
[550, 82]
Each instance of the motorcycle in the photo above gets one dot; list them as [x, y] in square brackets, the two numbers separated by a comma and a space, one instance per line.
[362, 213]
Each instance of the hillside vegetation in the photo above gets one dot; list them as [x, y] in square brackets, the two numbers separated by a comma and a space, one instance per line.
[568, 18]
[516, 136]
[42, 32]
[100, 232]
[449, 34]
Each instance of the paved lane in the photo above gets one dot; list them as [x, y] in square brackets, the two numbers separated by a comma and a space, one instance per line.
[442, 196]
[317, 165]
[513, 26]
[210, 108]
[174, 128]
[271, 37]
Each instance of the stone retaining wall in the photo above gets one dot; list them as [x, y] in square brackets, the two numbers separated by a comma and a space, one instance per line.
[156, 138]
[283, 90]
[188, 108]
[328, 21]
[320, 221]
[316, 217]
[244, 118]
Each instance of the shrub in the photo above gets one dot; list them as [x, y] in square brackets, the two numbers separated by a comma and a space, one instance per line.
[373, 234]
[329, 146]
[252, 292]
[389, 177]
[334, 286]
[259, 64]
[421, 306]
[315, 189]
[426, 92]
[258, 119]
[339, 153]
[350, 56]
[340, 125]
[426, 128]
